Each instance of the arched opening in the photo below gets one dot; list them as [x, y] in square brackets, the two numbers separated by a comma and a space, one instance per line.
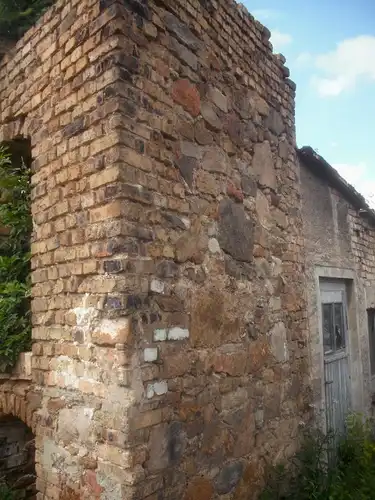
[17, 459]
[15, 258]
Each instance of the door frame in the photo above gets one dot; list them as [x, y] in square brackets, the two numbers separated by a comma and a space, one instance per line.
[346, 277]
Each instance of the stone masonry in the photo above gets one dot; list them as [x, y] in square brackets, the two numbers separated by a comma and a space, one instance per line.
[169, 319]
[339, 235]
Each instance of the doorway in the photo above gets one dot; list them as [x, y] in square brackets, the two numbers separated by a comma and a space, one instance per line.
[334, 309]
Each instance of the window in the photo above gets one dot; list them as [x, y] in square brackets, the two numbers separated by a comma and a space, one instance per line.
[333, 327]
[371, 332]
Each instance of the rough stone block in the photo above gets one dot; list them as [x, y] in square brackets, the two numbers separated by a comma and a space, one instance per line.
[263, 165]
[210, 117]
[181, 31]
[236, 231]
[111, 332]
[218, 98]
[186, 94]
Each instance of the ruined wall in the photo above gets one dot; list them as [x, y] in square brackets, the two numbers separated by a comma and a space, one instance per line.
[340, 239]
[17, 466]
[169, 319]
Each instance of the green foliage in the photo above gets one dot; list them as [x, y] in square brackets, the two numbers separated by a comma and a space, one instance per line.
[356, 462]
[16, 16]
[348, 475]
[5, 492]
[15, 316]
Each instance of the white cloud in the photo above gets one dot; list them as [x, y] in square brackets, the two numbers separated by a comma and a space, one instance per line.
[265, 14]
[353, 60]
[358, 176]
[279, 39]
[304, 58]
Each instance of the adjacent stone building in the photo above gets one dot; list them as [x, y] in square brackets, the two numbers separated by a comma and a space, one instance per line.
[170, 329]
[339, 235]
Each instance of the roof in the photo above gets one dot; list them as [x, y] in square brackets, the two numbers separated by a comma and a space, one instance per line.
[320, 167]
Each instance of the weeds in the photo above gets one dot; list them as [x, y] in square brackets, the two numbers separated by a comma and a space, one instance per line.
[15, 216]
[5, 492]
[319, 472]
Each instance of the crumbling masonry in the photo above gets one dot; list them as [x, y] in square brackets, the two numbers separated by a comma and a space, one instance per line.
[169, 320]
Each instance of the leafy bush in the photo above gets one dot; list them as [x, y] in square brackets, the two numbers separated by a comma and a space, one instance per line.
[5, 492]
[15, 316]
[16, 16]
[348, 474]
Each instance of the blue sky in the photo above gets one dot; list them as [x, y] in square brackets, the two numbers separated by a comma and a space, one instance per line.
[330, 50]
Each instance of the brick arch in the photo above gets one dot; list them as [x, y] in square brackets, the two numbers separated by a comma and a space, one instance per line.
[17, 465]
[18, 399]
[16, 128]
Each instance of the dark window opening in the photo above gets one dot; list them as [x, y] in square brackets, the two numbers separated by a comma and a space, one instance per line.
[371, 332]
[333, 327]
[17, 458]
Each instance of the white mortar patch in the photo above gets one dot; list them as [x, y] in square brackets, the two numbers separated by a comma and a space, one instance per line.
[150, 354]
[178, 333]
[156, 389]
[160, 335]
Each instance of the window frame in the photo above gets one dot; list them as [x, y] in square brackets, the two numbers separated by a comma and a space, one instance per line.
[330, 295]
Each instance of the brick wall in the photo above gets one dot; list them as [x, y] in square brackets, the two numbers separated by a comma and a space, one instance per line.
[169, 319]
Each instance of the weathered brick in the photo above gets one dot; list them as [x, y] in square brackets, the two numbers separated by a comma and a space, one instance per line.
[167, 249]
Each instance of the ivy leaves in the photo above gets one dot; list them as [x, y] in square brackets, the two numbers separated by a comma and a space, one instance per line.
[16, 222]
[16, 16]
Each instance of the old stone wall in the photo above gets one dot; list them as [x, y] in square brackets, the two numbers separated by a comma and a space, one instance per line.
[17, 466]
[18, 402]
[340, 242]
[169, 318]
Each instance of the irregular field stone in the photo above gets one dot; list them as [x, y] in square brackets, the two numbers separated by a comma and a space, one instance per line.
[214, 160]
[236, 130]
[167, 445]
[199, 488]
[202, 135]
[190, 149]
[284, 150]
[241, 103]
[248, 185]
[259, 104]
[236, 231]
[182, 32]
[275, 122]
[210, 117]
[263, 165]
[215, 319]
[218, 98]
[186, 94]
[186, 166]
[186, 55]
[279, 345]
[234, 192]
[192, 245]
[228, 478]
[167, 269]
